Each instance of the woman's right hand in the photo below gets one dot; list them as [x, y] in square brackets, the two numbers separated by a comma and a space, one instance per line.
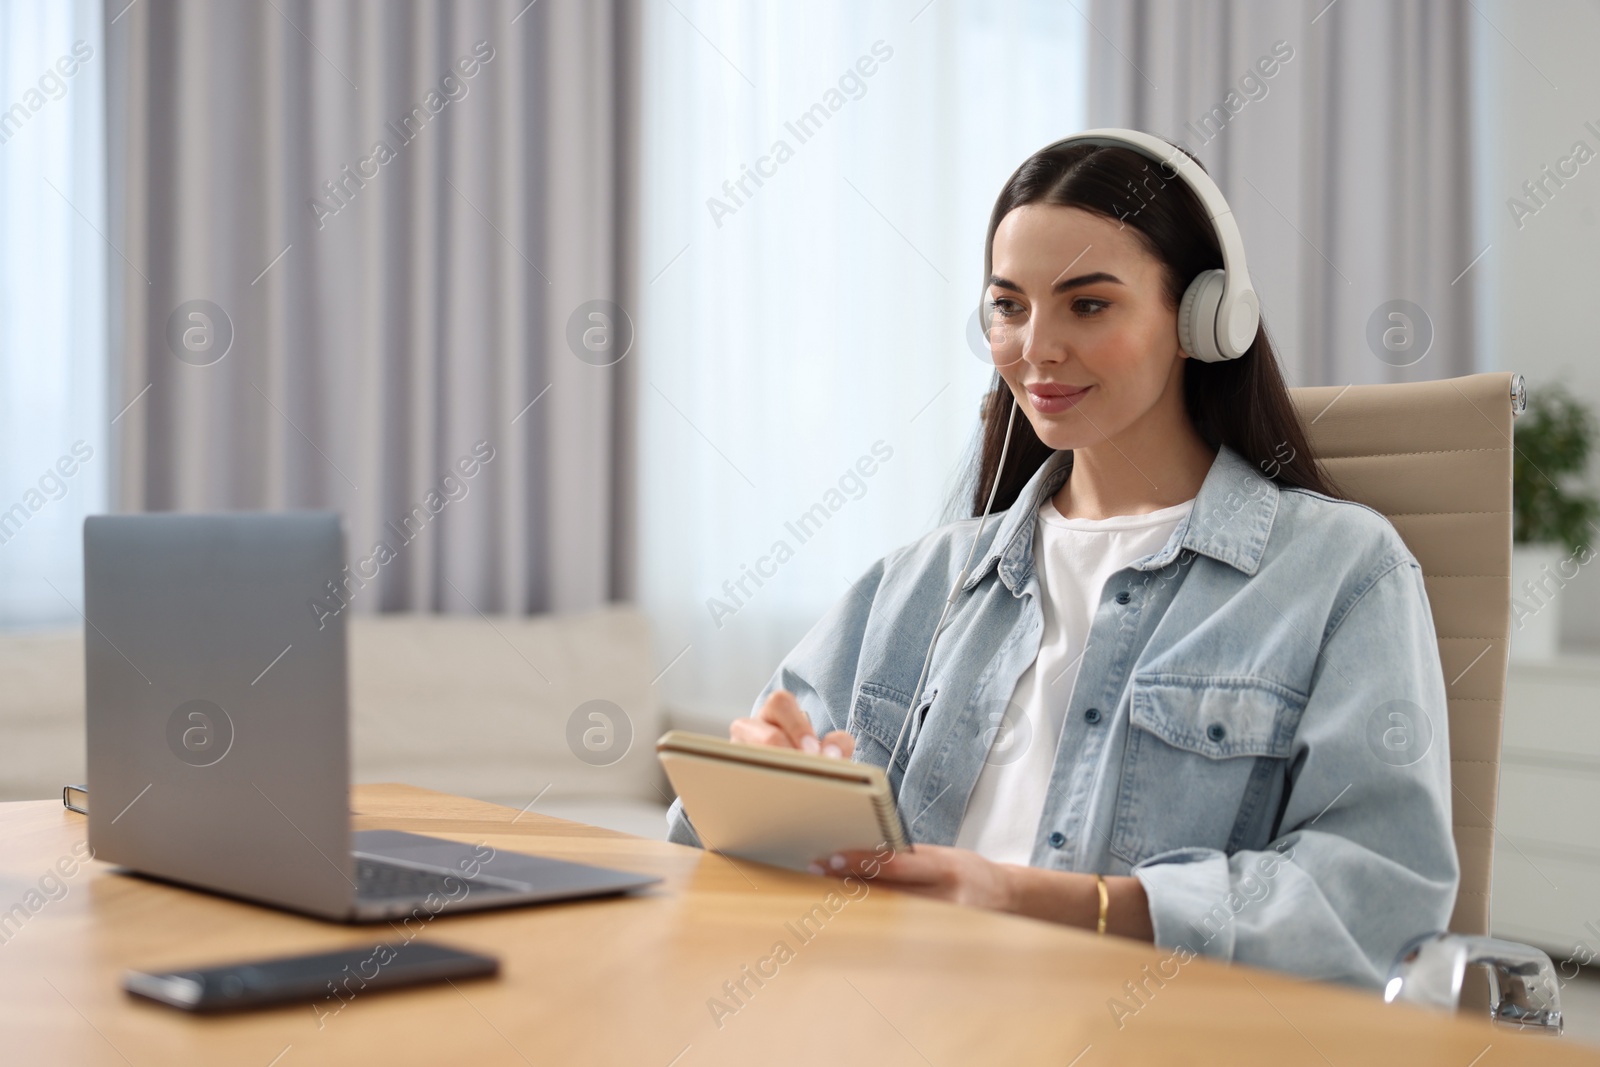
[781, 724]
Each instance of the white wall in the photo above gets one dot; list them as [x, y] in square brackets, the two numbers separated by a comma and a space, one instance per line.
[1539, 85]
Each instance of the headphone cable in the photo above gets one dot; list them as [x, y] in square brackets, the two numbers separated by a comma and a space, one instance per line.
[955, 589]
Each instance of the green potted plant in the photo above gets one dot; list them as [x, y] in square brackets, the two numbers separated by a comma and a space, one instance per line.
[1553, 522]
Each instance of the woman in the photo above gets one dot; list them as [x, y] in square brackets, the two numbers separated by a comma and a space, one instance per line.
[1186, 693]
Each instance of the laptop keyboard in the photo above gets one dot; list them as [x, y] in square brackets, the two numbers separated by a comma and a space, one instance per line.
[376, 880]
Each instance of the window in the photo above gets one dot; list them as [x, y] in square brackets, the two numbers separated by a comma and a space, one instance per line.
[816, 184]
[55, 432]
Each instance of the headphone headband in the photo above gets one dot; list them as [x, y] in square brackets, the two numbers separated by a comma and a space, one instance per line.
[1220, 312]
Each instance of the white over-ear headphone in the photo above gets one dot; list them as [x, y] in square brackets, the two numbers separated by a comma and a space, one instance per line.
[1219, 313]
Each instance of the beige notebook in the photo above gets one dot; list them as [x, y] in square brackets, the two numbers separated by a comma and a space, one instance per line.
[778, 805]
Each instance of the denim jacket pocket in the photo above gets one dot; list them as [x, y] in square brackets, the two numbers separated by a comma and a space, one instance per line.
[876, 717]
[1201, 757]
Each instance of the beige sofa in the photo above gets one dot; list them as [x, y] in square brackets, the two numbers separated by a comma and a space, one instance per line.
[556, 712]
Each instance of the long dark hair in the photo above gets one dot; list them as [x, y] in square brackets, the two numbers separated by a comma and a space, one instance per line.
[1242, 402]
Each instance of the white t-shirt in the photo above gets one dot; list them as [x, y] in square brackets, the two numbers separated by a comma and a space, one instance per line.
[1073, 557]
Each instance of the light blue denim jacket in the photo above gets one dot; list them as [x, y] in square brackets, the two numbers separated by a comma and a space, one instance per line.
[1258, 731]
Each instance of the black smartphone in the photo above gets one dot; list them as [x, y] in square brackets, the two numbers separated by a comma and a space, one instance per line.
[336, 977]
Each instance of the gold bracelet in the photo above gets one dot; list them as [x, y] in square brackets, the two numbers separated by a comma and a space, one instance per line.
[1105, 901]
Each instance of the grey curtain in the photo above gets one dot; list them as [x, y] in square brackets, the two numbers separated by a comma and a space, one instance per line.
[1349, 166]
[361, 248]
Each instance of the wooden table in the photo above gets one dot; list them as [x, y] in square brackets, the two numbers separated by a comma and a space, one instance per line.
[888, 978]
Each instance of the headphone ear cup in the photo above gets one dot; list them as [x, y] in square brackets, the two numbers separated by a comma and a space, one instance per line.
[1197, 316]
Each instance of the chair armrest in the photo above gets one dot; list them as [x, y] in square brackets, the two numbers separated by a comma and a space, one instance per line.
[1523, 991]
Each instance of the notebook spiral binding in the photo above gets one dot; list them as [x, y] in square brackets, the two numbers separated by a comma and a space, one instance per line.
[892, 823]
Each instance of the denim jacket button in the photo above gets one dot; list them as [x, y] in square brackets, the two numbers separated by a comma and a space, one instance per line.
[1091, 716]
[1122, 597]
[1216, 731]
[1057, 839]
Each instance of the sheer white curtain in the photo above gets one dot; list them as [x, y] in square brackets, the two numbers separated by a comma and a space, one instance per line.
[54, 422]
[803, 340]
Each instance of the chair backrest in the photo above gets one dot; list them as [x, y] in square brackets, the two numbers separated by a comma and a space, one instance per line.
[1435, 457]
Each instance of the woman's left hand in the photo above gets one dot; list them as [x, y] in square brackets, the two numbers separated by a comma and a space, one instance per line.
[958, 875]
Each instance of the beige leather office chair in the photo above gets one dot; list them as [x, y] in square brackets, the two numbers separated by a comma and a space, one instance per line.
[1435, 457]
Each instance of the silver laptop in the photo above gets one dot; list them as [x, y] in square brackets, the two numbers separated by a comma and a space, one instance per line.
[218, 729]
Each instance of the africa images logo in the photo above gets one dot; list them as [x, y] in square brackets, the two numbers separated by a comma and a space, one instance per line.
[199, 732]
[1399, 732]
